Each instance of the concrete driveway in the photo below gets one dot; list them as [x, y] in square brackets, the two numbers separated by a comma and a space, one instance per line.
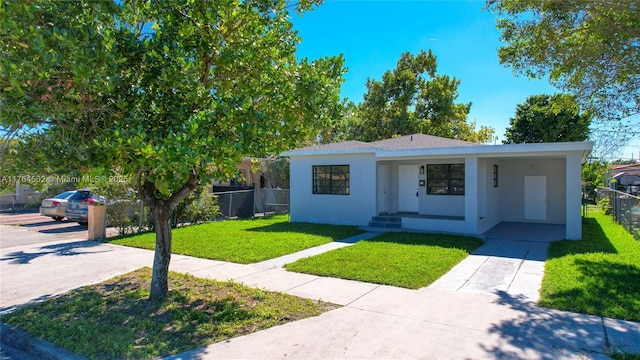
[44, 265]
[375, 322]
[511, 261]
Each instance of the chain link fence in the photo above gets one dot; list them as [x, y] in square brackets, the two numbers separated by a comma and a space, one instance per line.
[625, 208]
[236, 204]
[249, 203]
[272, 201]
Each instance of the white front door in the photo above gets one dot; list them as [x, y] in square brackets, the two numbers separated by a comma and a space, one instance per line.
[382, 178]
[535, 197]
[408, 177]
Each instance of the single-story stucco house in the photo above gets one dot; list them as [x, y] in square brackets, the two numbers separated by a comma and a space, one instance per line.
[425, 182]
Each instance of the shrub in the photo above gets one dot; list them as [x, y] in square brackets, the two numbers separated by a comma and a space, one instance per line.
[123, 215]
[605, 204]
[197, 208]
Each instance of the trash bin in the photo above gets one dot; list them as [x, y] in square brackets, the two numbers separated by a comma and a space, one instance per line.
[96, 221]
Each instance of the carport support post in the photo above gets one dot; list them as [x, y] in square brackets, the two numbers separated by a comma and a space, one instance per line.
[573, 166]
[471, 193]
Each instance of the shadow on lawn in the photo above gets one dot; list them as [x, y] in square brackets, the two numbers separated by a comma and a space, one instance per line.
[606, 288]
[336, 232]
[603, 285]
[548, 333]
[594, 240]
[467, 243]
[176, 325]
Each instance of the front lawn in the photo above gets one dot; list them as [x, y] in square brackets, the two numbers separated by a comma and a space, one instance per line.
[114, 319]
[407, 260]
[599, 275]
[245, 241]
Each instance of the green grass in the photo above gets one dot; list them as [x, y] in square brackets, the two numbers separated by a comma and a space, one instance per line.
[407, 260]
[245, 241]
[114, 319]
[599, 275]
[624, 356]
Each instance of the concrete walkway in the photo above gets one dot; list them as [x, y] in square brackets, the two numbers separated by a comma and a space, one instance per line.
[375, 322]
[283, 260]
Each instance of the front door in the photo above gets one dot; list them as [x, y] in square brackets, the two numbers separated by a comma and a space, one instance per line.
[383, 188]
[408, 177]
[535, 197]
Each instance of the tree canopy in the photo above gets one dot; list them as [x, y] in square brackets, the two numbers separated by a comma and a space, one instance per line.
[587, 48]
[171, 93]
[545, 118]
[412, 98]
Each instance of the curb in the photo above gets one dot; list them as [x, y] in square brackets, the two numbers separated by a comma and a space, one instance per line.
[36, 347]
[19, 210]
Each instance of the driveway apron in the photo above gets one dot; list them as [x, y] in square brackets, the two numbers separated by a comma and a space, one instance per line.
[511, 261]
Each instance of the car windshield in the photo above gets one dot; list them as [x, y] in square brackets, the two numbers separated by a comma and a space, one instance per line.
[80, 195]
[64, 195]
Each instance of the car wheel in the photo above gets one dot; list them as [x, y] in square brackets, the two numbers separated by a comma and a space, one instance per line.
[57, 218]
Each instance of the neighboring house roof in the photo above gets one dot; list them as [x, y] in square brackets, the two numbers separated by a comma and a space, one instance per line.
[627, 169]
[420, 145]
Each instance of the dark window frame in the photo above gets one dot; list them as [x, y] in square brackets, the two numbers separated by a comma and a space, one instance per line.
[331, 179]
[445, 179]
[495, 175]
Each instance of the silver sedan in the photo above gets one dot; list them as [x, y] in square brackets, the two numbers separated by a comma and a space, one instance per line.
[54, 207]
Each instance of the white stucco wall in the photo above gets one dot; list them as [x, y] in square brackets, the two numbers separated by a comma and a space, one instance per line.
[494, 204]
[488, 195]
[574, 195]
[512, 174]
[441, 205]
[437, 225]
[357, 208]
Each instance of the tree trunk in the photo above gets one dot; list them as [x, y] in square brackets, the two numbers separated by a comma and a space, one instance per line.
[162, 209]
[160, 275]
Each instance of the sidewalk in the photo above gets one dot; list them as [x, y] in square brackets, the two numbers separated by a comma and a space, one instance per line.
[375, 322]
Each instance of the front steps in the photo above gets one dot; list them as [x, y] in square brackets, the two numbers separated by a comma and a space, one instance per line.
[386, 222]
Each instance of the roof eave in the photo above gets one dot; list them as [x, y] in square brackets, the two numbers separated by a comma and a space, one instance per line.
[329, 152]
[493, 150]
[503, 150]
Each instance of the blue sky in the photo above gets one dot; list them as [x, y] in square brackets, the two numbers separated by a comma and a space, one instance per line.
[372, 34]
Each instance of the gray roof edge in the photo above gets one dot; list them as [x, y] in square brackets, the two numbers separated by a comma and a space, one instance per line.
[311, 152]
[480, 149]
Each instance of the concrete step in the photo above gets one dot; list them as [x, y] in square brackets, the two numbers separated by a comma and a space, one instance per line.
[386, 219]
[384, 225]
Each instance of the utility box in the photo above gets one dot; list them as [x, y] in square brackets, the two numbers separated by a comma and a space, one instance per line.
[97, 221]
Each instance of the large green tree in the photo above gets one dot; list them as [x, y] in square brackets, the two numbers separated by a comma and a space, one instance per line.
[413, 98]
[171, 93]
[589, 48]
[545, 118]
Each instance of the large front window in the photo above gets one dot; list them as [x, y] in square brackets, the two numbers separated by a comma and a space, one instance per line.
[331, 179]
[445, 179]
